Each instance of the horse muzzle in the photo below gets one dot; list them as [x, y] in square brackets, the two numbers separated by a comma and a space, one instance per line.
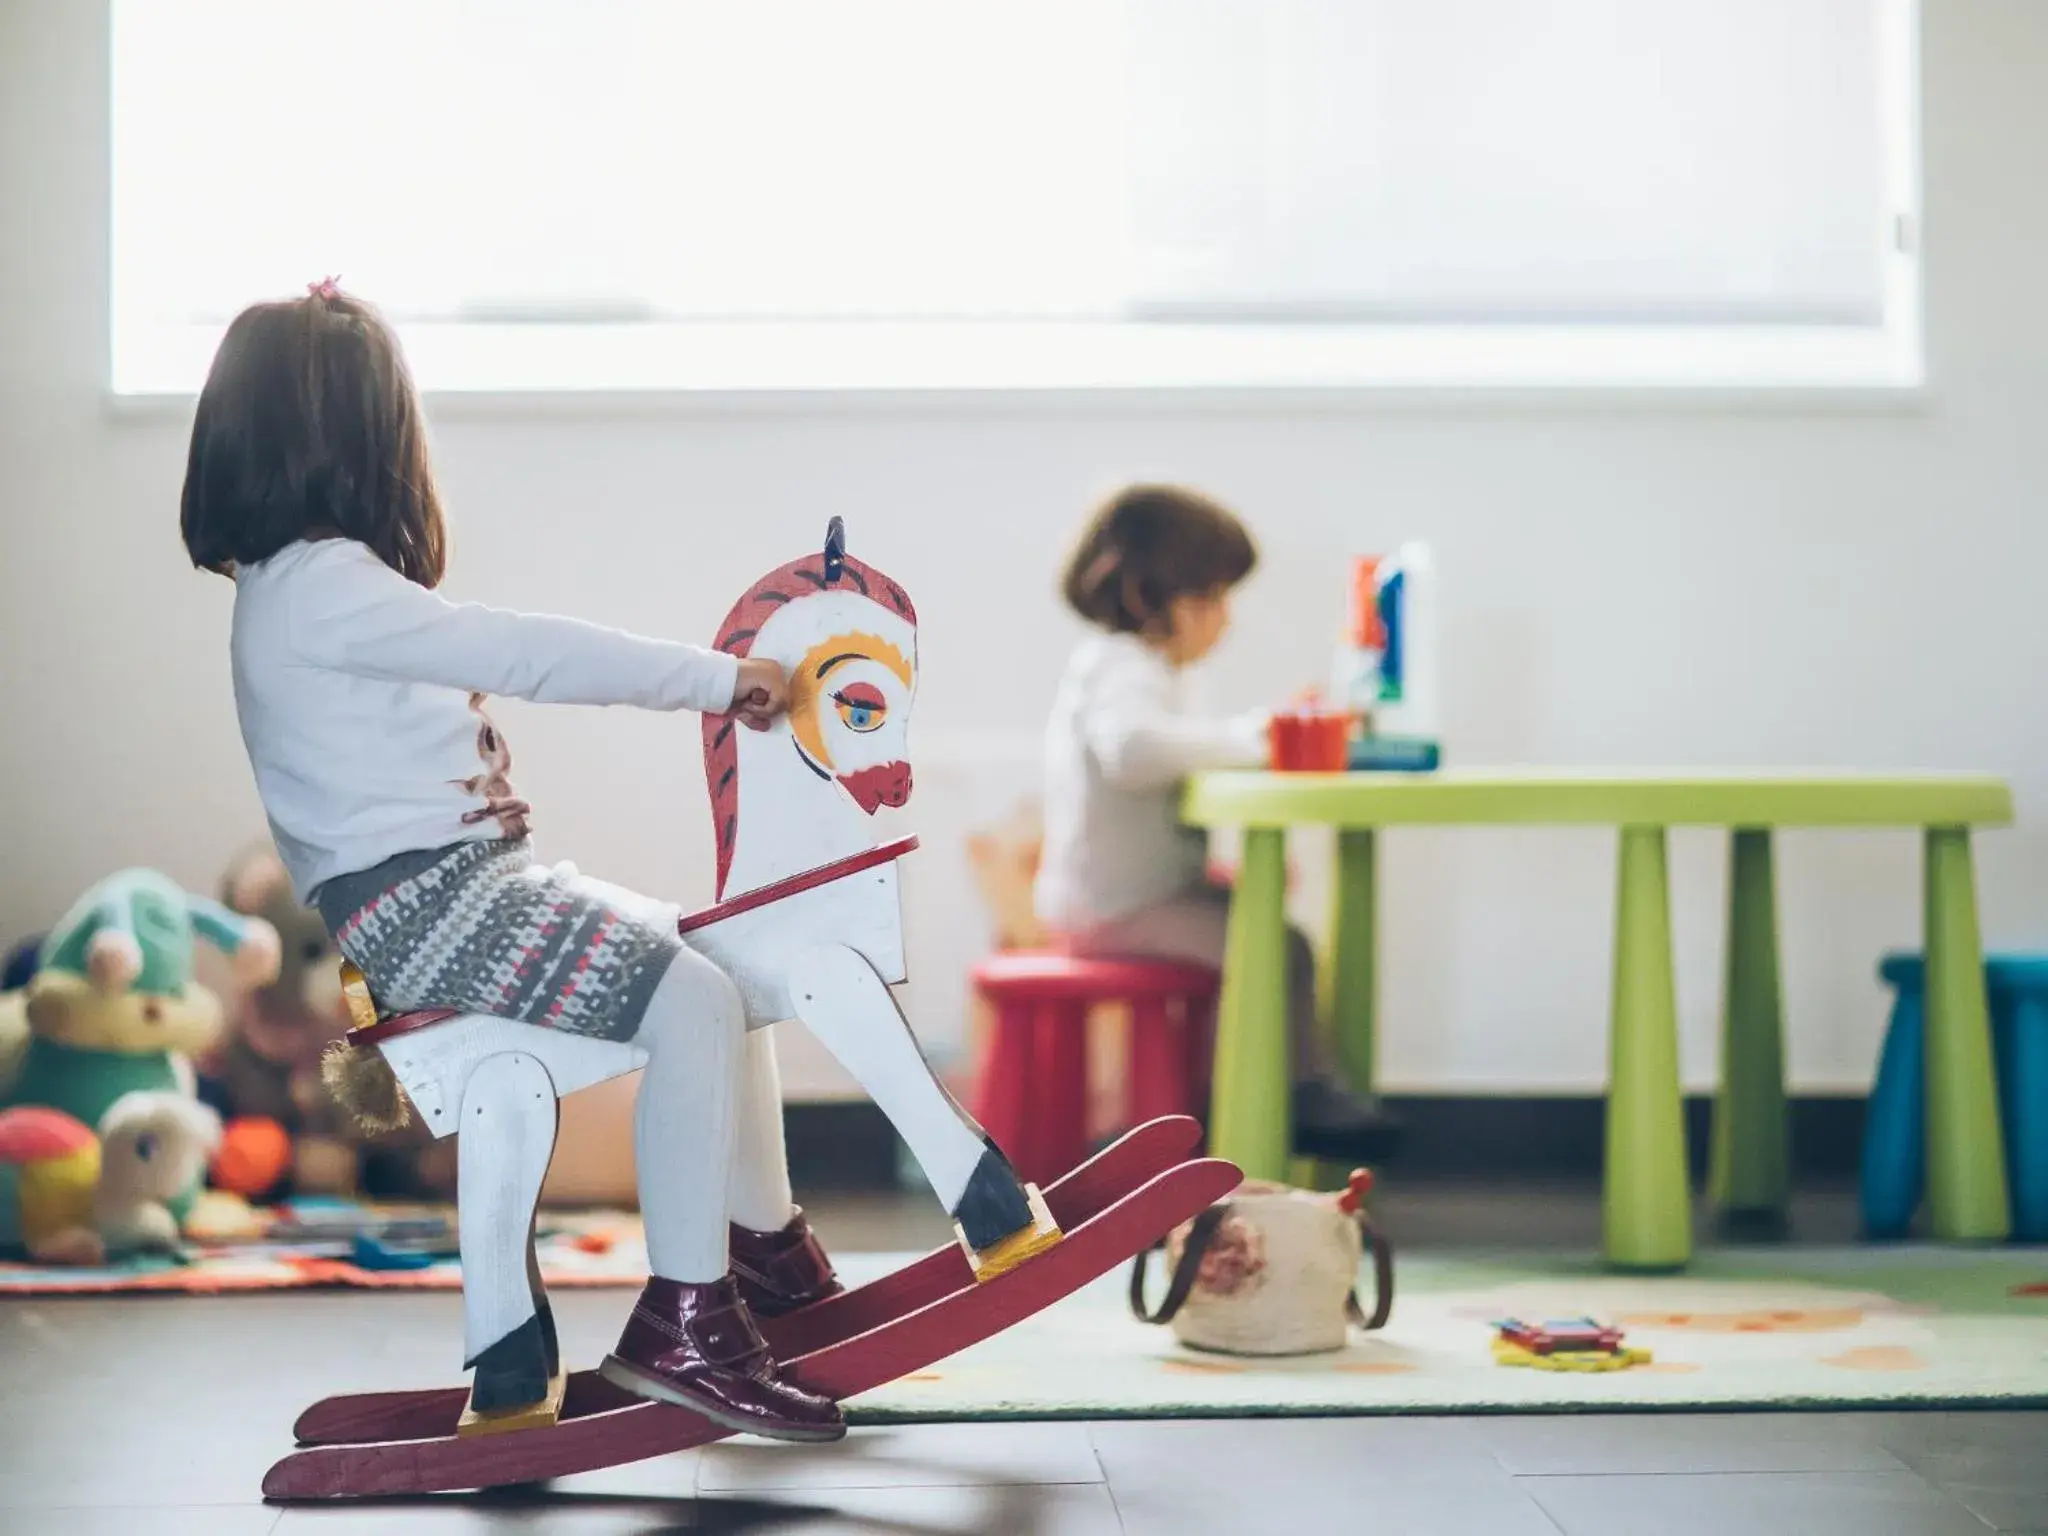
[884, 784]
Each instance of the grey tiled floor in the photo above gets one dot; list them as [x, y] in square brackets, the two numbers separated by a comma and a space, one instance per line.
[157, 1416]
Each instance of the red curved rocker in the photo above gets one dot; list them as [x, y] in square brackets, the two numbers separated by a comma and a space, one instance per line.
[809, 926]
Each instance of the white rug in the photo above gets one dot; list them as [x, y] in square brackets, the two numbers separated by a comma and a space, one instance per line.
[1833, 1328]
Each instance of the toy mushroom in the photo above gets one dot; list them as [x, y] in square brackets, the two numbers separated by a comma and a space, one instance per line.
[53, 1162]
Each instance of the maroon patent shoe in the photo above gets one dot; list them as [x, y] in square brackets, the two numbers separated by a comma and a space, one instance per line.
[697, 1346]
[781, 1272]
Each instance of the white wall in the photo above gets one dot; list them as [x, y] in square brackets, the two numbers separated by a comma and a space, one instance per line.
[1640, 584]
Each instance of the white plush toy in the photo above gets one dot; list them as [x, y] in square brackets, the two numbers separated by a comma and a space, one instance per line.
[153, 1148]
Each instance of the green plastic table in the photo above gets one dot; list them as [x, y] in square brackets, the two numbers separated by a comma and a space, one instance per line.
[1646, 1206]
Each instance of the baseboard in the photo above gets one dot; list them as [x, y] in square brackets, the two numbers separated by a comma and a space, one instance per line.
[847, 1144]
[852, 1146]
[1564, 1136]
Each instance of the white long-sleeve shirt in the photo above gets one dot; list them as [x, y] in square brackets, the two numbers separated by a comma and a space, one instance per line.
[1124, 732]
[361, 702]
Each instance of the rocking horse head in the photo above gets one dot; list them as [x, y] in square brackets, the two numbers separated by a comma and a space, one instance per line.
[799, 794]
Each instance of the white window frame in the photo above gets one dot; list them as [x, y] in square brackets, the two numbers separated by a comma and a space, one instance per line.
[611, 367]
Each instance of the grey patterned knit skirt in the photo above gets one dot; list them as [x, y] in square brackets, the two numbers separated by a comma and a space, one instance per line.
[483, 928]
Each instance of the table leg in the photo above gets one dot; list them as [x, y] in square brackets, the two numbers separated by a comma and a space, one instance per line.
[1647, 1209]
[1354, 958]
[1248, 1116]
[1751, 1149]
[1966, 1192]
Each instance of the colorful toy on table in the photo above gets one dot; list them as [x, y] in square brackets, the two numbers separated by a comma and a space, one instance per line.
[1308, 737]
[1386, 670]
[1564, 1344]
[113, 1007]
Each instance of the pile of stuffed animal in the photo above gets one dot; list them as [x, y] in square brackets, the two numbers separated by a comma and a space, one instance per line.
[127, 1086]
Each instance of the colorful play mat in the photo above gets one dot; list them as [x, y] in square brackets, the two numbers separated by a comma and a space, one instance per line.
[1743, 1328]
[1748, 1328]
[340, 1243]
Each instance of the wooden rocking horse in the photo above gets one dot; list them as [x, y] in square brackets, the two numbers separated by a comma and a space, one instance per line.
[808, 925]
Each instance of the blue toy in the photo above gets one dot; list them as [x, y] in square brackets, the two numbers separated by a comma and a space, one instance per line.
[373, 1253]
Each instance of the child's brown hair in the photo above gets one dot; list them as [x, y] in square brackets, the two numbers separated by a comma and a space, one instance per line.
[1149, 544]
[309, 427]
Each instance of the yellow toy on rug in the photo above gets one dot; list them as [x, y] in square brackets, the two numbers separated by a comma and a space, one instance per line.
[1505, 1353]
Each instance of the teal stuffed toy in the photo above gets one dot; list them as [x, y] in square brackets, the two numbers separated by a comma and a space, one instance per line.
[113, 1007]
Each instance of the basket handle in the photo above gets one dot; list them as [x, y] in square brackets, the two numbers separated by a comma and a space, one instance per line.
[1382, 1253]
[1201, 1232]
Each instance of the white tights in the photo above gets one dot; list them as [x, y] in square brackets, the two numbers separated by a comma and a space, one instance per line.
[694, 1033]
[708, 1118]
[757, 1193]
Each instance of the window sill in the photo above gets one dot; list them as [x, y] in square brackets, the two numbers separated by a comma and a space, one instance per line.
[611, 369]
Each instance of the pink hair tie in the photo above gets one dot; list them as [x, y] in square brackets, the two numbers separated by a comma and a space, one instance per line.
[328, 288]
[1100, 568]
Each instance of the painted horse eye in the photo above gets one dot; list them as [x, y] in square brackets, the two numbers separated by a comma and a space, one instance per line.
[861, 706]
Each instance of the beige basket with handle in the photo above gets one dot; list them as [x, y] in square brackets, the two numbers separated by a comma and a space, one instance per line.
[1272, 1271]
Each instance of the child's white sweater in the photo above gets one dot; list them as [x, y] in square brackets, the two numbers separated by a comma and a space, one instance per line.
[360, 695]
[1123, 734]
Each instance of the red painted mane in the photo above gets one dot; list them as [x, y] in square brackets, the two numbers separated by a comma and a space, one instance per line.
[800, 578]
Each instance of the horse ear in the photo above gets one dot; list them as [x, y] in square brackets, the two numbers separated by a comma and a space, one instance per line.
[835, 550]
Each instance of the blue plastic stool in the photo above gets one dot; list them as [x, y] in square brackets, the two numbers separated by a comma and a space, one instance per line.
[1895, 1127]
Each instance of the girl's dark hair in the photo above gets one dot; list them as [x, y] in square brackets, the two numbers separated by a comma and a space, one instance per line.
[1149, 544]
[309, 427]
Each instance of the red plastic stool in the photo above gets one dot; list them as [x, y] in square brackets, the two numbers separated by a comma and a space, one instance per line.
[1031, 1094]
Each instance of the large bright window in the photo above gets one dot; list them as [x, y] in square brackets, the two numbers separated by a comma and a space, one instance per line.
[814, 194]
